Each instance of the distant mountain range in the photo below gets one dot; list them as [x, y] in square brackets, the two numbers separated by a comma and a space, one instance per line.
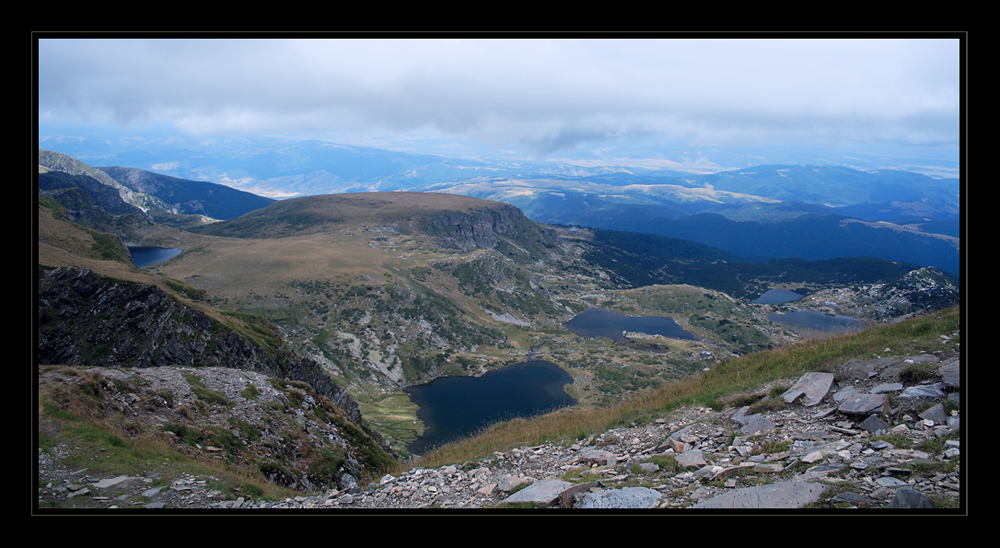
[775, 211]
[129, 190]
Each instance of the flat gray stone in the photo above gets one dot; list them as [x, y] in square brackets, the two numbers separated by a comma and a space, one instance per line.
[787, 494]
[596, 456]
[889, 481]
[110, 482]
[813, 386]
[873, 424]
[690, 459]
[862, 404]
[758, 424]
[909, 498]
[844, 393]
[742, 417]
[951, 374]
[628, 497]
[549, 492]
[507, 482]
[935, 414]
[924, 391]
[851, 497]
[887, 387]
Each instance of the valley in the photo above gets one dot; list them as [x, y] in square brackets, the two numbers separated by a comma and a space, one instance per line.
[373, 293]
[382, 302]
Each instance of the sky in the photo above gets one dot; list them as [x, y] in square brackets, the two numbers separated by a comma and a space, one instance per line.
[542, 98]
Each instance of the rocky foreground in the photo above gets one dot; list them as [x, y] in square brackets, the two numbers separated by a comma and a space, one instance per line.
[884, 435]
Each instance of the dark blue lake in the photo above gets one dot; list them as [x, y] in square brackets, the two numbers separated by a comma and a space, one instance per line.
[456, 407]
[811, 320]
[148, 256]
[777, 296]
[597, 322]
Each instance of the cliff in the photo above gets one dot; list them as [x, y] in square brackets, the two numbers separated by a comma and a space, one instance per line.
[87, 320]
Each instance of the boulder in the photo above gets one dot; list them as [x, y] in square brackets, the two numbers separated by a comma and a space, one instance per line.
[786, 494]
[813, 386]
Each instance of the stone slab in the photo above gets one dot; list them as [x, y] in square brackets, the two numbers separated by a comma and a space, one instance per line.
[628, 497]
[844, 393]
[110, 482]
[951, 374]
[757, 425]
[690, 459]
[596, 456]
[812, 386]
[909, 498]
[787, 494]
[936, 414]
[549, 492]
[924, 391]
[873, 424]
[862, 404]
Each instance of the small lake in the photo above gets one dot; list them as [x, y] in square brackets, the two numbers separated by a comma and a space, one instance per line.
[777, 296]
[148, 256]
[810, 320]
[456, 407]
[597, 322]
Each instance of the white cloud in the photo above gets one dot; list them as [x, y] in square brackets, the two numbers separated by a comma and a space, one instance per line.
[546, 95]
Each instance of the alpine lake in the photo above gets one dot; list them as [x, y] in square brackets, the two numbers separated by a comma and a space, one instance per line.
[148, 256]
[452, 408]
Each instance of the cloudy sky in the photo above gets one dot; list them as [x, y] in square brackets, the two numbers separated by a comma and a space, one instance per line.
[544, 97]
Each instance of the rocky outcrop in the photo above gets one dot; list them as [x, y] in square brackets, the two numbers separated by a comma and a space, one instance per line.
[502, 227]
[798, 451]
[87, 320]
[279, 430]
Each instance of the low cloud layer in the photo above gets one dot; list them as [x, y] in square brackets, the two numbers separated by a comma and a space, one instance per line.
[543, 95]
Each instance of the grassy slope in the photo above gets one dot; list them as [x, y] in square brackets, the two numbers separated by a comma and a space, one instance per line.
[713, 388]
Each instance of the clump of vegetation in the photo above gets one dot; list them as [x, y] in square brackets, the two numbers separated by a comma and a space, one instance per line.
[189, 435]
[257, 329]
[109, 247]
[767, 406]
[210, 397]
[186, 290]
[245, 429]
[250, 392]
[916, 372]
[326, 469]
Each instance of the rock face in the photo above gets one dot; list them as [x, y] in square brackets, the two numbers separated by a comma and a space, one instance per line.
[85, 320]
[493, 227]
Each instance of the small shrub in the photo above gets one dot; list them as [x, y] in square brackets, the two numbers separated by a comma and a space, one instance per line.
[766, 406]
[245, 429]
[250, 392]
[189, 435]
[772, 446]
[252, 491]
[744, 400]
[917, 372]
[326, 469]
